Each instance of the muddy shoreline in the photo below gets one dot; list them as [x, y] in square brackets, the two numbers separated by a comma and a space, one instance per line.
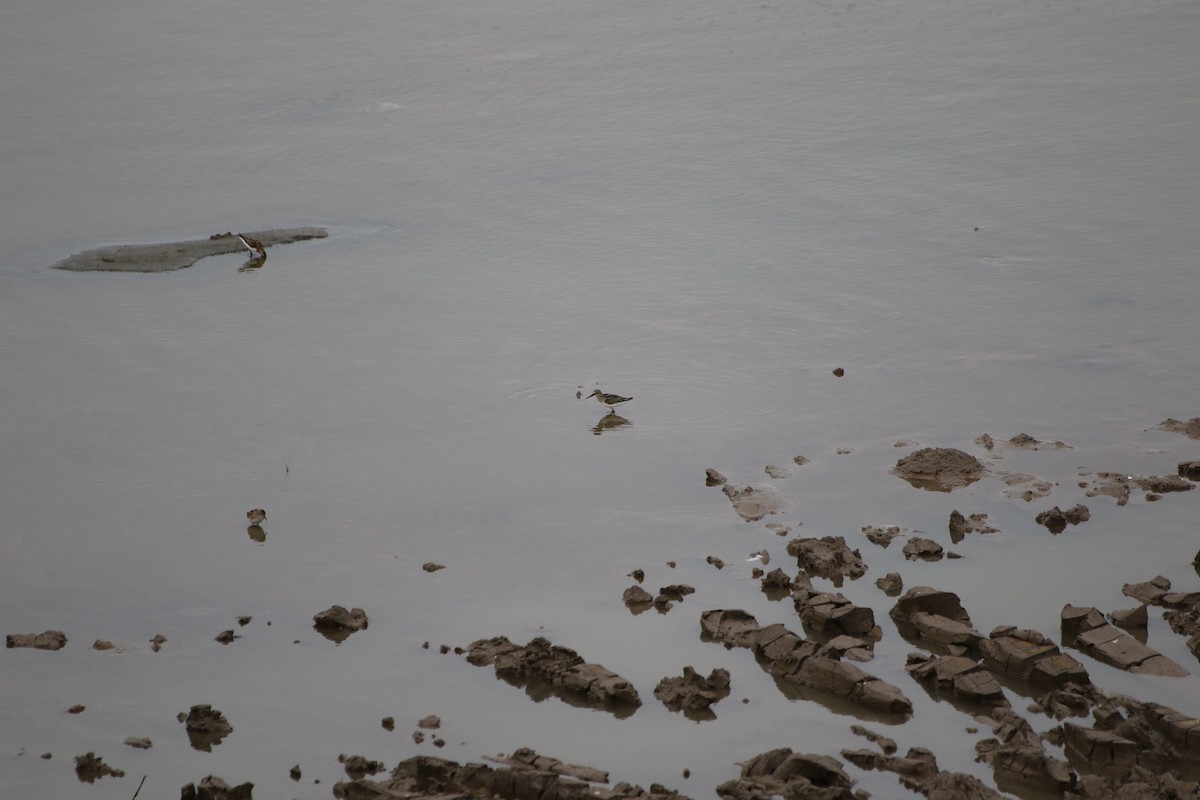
[1112, 746]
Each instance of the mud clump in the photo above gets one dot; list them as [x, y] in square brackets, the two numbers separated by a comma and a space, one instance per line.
[784, 773]
[90, 768]
[891, 584]
[939, 468]
[752, 503]
[213, 788]
[205, 726]
[828, 557]
[1056, 520]
[524, 775]
[358, 766]
[1190, 429]
[714, 478]
[692, 693]
[792, 659]
[1086, 629]
[47, 640]
[336, 623]
[960, 525]
[924, 549]
[882, 536]
[560, 668]
[935, 616]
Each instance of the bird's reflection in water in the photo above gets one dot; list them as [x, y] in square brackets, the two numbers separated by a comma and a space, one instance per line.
[257, 534]
[611, 422]
[252, 264]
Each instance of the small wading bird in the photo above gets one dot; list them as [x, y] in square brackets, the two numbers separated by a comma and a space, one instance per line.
[762, 556]
[253, 245]
[609, 401]
[256, 516]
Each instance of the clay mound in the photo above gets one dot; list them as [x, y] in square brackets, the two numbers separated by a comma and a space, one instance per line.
[939, 468]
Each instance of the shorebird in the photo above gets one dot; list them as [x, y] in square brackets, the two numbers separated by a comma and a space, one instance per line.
[761, 556]
[253, 245]
[256, 516]
[609, 401]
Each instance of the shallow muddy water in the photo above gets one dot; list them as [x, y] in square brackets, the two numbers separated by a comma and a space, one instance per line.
[984, 212]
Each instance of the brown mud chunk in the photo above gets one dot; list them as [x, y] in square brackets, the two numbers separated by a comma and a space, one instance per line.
[1026, 442]
[884, 743]
[1191, 428]
[1086, 629]
[776, 584]
[882, 536]
[1130, 617]
[47, 640]
[676, 591]
[714, 478]
[985, 441]
[78, 708]
[800, 461]
[90, 768]
[935, 616]
[784, 773]
[430, 723]
[138, 743]
[752, 503]
[205, 727]
[838, 372]
[103, 644]
[225, 637]
[828, 557]
[213, 788]
[692, 692]
[358, 766]
[1150, 592]
[295, 774]
[157, 642]
[791, 659]
[777, 472]
[964, 677]
[1031, 657]
[1056, 520]
[638, 575]
[1189, 470]
[960, 526]
[336, 623]
[891, 584]
[429, 566]
[824, 612]
[939, 469]
[637, 599]
[560, 668]
[921, 548]
[388, 723]
[523, 775]
[1019, 756]
[716, 562]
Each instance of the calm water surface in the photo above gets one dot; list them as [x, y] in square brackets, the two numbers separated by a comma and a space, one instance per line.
[985, 212]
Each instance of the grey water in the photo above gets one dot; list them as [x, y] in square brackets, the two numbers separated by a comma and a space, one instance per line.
[985, 212]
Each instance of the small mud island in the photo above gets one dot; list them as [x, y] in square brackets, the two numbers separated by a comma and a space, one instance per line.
[168, 256]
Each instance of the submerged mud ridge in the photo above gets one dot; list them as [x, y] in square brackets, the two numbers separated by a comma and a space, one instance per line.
[168, 256]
